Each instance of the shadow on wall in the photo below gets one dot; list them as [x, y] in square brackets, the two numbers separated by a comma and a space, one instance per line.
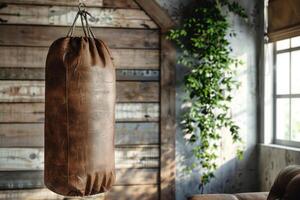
[230, 177]
[233, 175]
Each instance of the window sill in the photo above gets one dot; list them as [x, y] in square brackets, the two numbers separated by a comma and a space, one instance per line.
[277, 146]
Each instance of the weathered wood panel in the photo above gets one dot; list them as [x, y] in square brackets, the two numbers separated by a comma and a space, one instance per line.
[137, 176]
[120, 4]
[137, 112]
[32, 134]
[35, 194]
[141, 156]
[95, 3]
[136, 75]
[136, 59]
[39, 74]
[43, 36]
[22, 73]
[88, 3]
[137, 133]
[137, 91]
[35, 57]
[64, 16]
[13, 159]
[34, 112]
[143, 192]
[22, 135]
[35, 179]
[140, 192]
[34, 91]
[22, 91]
[22, 112]
[167, 120]
[16, 159]
[23, 50]
[160, 16]
[21, 179]
[25, 57]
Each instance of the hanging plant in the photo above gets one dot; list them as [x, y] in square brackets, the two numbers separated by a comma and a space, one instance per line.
[209, 84]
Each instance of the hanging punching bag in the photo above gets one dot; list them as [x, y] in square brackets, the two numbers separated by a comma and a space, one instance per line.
[79, 115]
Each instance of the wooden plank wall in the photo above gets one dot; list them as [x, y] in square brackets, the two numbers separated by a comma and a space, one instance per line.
[27, 29]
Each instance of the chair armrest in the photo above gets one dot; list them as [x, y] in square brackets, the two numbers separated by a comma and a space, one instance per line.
[240, 196]
[252, 196]
[213, 197]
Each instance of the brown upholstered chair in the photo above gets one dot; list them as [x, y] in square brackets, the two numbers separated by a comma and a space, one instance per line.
[286, 187]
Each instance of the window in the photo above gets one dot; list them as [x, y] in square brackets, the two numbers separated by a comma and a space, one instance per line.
[287, 92]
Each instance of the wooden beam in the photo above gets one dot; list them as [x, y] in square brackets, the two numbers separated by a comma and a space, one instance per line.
[160, 16]
[34, 91]
[43, 36]
[34, 112]
[32, 134]
[64, 16]
[167, 120]
[89, 3]
[35, 179]
[130, 4]
[35, 57]
[28, 159]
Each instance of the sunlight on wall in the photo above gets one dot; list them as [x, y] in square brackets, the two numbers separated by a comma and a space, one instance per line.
[238, 112]
[268, 96]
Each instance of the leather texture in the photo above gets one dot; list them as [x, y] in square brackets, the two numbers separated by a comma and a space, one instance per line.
[79, 117]
[252, 196]
[213, 197]
[285, 187]
[240, 196]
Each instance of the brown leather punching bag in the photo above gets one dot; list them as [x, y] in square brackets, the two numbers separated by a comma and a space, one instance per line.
[79, 115]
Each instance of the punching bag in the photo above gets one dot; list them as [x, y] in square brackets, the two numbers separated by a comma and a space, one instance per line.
[79, 115]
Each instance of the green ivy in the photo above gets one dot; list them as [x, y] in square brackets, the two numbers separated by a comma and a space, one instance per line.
[205, 50]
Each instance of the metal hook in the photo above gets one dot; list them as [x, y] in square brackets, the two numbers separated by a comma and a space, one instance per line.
[80, 1]
[81, 6]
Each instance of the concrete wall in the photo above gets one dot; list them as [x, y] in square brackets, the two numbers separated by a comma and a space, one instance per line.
[273, 158]
[232, 175]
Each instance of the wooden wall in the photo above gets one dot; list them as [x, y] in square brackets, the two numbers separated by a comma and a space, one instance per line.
[27, 29]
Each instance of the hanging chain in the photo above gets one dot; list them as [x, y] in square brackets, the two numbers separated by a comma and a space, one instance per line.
[84, 21]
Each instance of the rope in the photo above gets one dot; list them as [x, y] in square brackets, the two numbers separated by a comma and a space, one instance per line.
[84, 22]
[87, 24]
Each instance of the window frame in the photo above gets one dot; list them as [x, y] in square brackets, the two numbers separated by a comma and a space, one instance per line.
[290, 143]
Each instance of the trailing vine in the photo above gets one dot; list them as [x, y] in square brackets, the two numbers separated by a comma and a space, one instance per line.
[205, 51]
